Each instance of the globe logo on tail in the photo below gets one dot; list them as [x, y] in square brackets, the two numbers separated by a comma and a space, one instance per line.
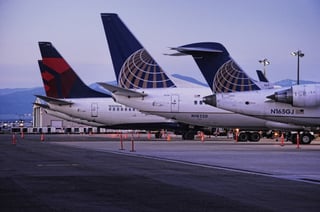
[141, 71]
[231, 78]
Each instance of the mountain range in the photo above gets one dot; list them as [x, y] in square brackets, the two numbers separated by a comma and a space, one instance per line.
[16, 103]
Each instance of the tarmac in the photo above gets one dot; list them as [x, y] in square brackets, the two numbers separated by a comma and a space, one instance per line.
[101, 173]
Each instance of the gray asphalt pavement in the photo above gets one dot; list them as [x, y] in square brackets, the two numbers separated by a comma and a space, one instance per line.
[75, 173]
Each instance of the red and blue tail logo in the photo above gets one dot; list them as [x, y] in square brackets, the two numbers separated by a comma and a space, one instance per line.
[59, 79]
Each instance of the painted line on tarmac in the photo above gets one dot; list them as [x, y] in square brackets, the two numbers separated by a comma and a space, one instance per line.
[244, 171]
[57, 164]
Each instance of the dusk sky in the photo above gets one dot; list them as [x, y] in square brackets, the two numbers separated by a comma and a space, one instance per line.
[250, 29]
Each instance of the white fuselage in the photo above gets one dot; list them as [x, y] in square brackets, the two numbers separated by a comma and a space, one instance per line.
[72, 119]
[255, 103]
[106, 112]
[186, 105]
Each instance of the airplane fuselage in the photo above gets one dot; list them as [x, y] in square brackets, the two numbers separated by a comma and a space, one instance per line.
[72, 119]
[106, 112]
[256, 104]
[186, 105]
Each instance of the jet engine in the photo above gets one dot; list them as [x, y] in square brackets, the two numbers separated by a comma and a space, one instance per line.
[299, 95]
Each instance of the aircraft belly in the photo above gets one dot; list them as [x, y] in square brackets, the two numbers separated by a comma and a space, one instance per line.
[216, 120]
[303, 121]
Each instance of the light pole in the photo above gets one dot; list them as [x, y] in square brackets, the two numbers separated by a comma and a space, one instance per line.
[265, 62]
[298, 54]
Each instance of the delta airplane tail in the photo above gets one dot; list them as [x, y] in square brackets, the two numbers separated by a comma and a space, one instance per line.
[220, 71]
[59, 79]
[133, 65]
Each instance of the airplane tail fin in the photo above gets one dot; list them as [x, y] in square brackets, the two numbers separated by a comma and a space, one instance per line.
[261, 76]
[220, 71]
[59, 79]
[133, 65]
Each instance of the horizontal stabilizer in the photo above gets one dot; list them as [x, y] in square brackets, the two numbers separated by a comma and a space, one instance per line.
[121, 91]
[54, 100]
[194, 50]
[175, 54]
[41, 105]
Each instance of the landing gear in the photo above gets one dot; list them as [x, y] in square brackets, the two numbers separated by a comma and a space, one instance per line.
[242, 137]
[305, 138]
[158, 134]
[254, 137]
[249, 136]
[188, 135]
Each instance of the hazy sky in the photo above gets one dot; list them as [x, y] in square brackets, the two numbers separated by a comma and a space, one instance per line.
[249, 29]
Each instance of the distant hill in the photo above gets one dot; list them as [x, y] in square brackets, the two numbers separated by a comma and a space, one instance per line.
[16, 103]
[289, 82]
[190, 79]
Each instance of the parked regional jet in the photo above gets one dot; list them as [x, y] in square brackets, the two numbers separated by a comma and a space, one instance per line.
[299, 104]
[66, 117]
[136, 72]
[66, 93]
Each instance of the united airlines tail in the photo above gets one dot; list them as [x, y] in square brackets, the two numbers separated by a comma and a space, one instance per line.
[59, 79]
[220, 71]
[133, 65]
[261, 76]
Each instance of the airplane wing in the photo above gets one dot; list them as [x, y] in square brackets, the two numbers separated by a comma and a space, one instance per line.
[54, 100]
[121, 91]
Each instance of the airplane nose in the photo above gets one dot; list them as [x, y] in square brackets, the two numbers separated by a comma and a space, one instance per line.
[210, 100]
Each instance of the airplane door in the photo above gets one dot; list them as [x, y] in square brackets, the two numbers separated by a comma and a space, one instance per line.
[94, 109]
[174, 103]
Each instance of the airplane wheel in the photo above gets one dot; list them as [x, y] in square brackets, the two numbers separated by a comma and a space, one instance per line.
[243, 137]
[254, 137]
[157, 135]
[189, 135]
[306, 138]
